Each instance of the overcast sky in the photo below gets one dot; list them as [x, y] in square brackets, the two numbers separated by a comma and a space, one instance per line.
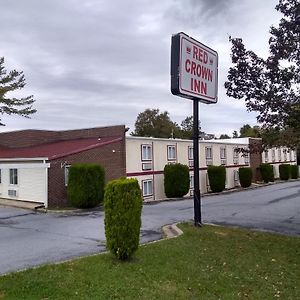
[98, 62]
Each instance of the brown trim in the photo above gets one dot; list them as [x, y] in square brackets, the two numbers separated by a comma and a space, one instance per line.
[144, 173]
[280, 162]
[161, 172]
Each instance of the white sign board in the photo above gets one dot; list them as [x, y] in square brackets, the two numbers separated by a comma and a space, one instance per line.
[197, 72]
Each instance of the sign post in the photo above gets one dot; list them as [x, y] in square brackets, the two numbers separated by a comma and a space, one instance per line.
[194, 75]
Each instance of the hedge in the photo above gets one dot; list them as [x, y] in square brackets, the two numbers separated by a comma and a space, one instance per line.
[122, 207]
[284, 171]
[217, 178]
[267, 172]
[176, 180]
[294, 171]
[86, 185]
[245, 176]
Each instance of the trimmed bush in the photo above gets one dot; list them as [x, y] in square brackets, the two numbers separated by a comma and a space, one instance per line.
[267, 172]
[122, 207]
[176, 180]
[284, 171]
[294, 172]
[245, 176]
[217, 178]
[86, 185]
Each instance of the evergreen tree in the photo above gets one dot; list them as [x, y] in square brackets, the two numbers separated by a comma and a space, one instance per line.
[9, 82]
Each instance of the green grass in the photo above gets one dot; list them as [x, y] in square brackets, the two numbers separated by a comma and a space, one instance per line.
[203, 263]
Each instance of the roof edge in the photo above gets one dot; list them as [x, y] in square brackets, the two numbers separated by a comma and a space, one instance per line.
[85, 149]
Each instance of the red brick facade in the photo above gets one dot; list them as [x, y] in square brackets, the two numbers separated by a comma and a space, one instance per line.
[111, 157]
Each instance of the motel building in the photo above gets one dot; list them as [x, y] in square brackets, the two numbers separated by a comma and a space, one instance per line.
[34, 164]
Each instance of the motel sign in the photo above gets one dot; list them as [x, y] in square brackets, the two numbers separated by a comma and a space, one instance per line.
[194, 69]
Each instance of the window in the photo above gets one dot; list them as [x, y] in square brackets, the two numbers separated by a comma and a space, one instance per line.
[279, 154]
[146, 152]
[223, 155]
[235, 156]
[190, 153]
[285, 155]
[171, 152]
[147, 188]
[273, 155]
[266, 156]
[208, 152]
[67, 168]
[147, 166]
[236, 177]
[246, 158]
[291, 158]
[191, 181]
[208, 156]
[13, 176]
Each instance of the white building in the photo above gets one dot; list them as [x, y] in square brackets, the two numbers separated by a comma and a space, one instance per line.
[147, 157]
[34, 163]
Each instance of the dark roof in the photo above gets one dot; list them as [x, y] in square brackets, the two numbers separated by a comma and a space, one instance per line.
[56, 149]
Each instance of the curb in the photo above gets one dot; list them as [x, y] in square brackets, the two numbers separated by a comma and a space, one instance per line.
[233, 190]
[171, 231]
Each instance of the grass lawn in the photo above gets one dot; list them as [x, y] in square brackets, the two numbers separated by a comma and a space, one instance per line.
[203, 263]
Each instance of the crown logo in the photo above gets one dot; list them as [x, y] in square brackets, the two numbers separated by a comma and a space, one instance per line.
[188, 50]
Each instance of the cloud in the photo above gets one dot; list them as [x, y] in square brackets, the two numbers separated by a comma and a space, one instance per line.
[94, 63]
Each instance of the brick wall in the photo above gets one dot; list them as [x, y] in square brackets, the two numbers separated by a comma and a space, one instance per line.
[27, 138]
[111, 157]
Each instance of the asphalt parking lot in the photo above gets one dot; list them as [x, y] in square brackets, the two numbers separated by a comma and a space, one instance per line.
[29, 238]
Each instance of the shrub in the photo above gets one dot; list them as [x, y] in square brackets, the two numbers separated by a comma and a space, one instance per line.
[217, 178]
[86, 185]
[267, 172]
[284, 171]
[245, 176]
[176, 180]
[294, 172]
[122, 206]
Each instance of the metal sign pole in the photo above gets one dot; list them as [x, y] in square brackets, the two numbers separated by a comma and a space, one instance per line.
[197, 196]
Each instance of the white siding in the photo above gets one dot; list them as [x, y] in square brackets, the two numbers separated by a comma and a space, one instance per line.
[159, 160]
[32, 182]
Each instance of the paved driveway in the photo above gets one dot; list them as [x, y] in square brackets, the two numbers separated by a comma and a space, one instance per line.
[28, 238]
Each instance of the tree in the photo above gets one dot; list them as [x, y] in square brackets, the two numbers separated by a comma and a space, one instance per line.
[224, 136]
[9, 82]
[155, 124]
[187, 129]
[235, 134]
[248, 131]
[271, 86]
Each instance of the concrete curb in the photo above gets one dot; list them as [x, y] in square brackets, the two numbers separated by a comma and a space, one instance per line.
[171, 231]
